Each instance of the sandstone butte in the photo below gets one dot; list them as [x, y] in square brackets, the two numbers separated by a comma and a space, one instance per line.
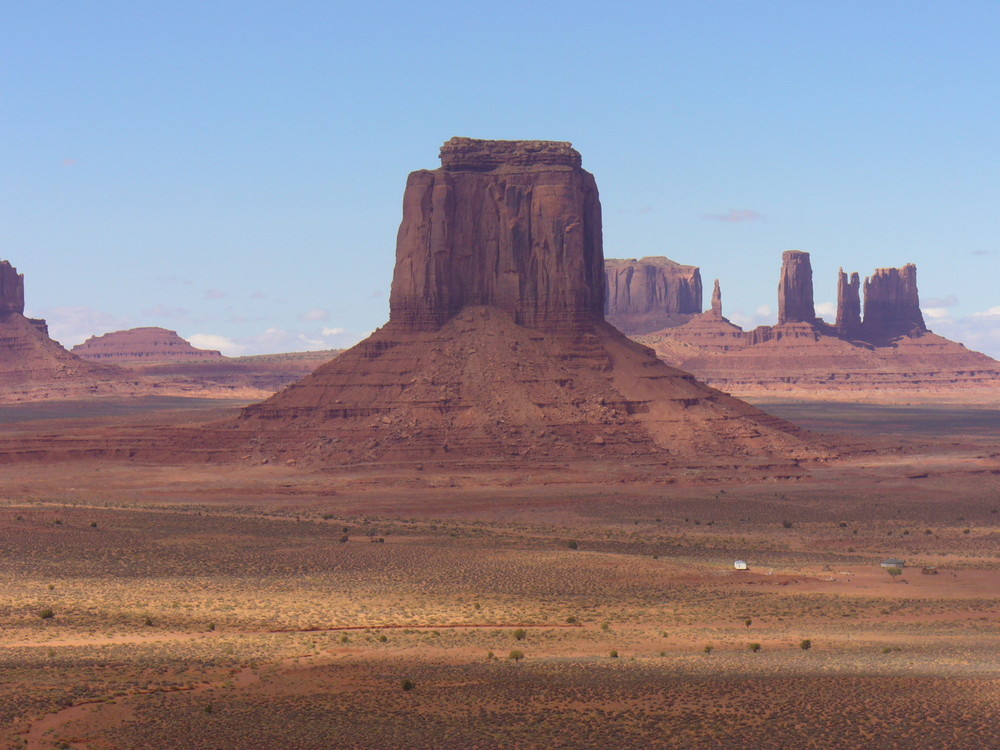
[641, 296]
[496, 345]
[141, 345]
[887, 354]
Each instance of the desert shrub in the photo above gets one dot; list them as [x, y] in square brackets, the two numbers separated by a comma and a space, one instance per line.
[345, 538]
[516, 655]
[93, 524]
[46, 614]
[805, 644]
[843, 524]
[709, 648]
[572, 544]
[477, 606]
[613, 654]
[208, 708]
[211, 626]
[787, 524]
[605, 626]
[748, 622]
[520, 634]
[755, 647]
[383, 638]
[571, 620]
[52, 587]
[148, 622]
[345, 639]
[408, 684]
[490, 656]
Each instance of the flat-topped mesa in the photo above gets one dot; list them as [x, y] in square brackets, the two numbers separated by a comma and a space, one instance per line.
[795, 289]
[647, 295]
[11, 289]
[141, 344]
[892, 304]
[513, 225]
[848, 304]
[717, 300]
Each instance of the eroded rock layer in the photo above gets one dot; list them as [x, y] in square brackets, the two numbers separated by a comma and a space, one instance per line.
[649, 294]
[142, 345]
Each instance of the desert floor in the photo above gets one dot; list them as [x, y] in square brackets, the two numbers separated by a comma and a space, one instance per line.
[148, 606]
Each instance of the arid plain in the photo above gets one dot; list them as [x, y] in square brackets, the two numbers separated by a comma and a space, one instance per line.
[156, 605]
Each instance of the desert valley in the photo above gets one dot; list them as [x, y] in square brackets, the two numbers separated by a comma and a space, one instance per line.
[552, 502]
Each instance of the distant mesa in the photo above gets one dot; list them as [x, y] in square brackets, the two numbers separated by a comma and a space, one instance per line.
[647, 295]
[141, 345]
[887, 349]
[496, 346]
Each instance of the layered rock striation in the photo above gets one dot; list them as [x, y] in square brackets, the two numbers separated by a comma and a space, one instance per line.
[649, 294]
[148, 344]
[496, 347]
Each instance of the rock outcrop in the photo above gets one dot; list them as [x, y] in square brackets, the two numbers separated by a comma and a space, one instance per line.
[649, 294]
[141, 345]
[496, 348]
[795, 289]
[848, 305]
[513, 225]
[892, 304]
[717, 300]
[11, 289]
[888, 352]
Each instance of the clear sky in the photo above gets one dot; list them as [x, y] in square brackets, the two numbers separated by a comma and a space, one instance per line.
[235, 170]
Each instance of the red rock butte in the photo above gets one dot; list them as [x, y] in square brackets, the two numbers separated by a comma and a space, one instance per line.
[496, 346]
[646, 295]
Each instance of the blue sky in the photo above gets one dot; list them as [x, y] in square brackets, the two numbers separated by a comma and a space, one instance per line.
[234, 170]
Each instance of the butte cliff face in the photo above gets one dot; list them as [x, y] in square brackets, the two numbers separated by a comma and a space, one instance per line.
[11, 289]
[515, 225]
[496, 347]
[650, 294]
[892, 304]
[141, 345]
[848, 305]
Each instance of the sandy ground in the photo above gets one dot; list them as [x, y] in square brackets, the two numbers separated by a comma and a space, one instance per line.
[267, 607]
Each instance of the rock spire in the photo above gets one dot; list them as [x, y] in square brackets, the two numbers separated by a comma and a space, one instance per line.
[795, 289]
[717, 300]
[848, 304]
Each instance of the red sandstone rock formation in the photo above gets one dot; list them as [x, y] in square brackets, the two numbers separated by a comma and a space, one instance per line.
[11, 289]
[717, 300]
[649, 294]
[892, 304]
[795, 289]
[141, 345]
[848, 305]
[496, 347]
[890, 352]
[515, 225]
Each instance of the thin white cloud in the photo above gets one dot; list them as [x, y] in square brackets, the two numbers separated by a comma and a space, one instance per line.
[333, 331]
[314, 315]
[979, 331]
[74, 325]
[227, 346]
[828, 309]
[735, 216]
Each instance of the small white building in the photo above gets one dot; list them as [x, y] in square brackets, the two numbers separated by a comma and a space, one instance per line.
[893, 562]
[741, 565]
